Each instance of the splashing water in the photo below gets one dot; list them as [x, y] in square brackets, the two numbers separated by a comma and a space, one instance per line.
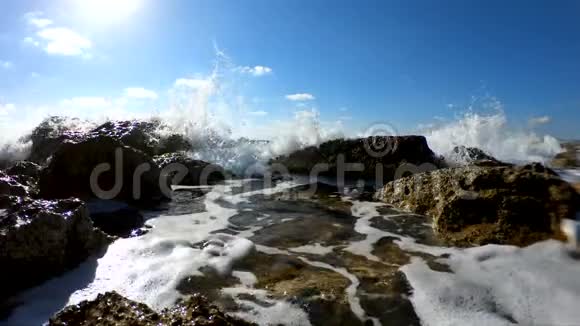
[491, 133]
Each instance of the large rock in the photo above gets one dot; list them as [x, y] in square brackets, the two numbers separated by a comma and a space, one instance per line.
[113, 309]
[196, 170]
[389, 151]
[69, 172]
[142, 135]
[47, 137]
[478, 205]
[40, 239]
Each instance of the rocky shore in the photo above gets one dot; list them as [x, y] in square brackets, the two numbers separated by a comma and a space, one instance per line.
[52, 219]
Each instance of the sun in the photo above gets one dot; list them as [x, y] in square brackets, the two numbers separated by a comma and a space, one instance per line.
[107, 11]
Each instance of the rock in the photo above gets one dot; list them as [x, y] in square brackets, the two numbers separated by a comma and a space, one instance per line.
[113, 309]
[25, 168]
[10, 186]
[479, 205]
[569, 158]
[27, 174]
[40, 239]
[51, 133]
[196, 170]
[142, 135]
[471, 156]
[390, 151]
[70, 169]
[115, 218]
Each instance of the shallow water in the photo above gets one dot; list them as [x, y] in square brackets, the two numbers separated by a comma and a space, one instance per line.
[284, 255]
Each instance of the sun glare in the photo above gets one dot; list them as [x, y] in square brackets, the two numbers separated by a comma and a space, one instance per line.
[107, 11]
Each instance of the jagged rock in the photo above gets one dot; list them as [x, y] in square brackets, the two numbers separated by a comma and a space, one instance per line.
[390, 151]
[10, 186]
[26, 173]
[50, 134]
[196, 170]
[478, 205]
[113, 309]
[115, 218]
[142, 135]
[40, 239]
[70, 169]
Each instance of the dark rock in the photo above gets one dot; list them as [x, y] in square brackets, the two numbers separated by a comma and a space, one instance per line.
[25, 168]
[50, 134]
[115, 218]
[142, 135]
[27, 174]
[198, 172]
[70, 169]
[40, 239]
[388, 151]
[10, 186]
[112, 309]
[479, 205]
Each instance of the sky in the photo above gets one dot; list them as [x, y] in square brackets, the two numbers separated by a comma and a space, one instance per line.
[352, 63]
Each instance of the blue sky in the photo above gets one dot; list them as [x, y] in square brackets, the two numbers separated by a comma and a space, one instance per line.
[401, 62]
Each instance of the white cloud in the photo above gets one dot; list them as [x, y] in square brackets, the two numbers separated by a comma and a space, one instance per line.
[258, 113]
[539, 120]
[6, 64]
[256, 71]
[56, 40]
[300, 97]
[36, 19]
[140, 93]
[64, 41]
[87, 102]
[343, 109]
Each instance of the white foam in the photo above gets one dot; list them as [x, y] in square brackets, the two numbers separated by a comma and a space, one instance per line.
[315, 249]
[365, 211]
[537, 285]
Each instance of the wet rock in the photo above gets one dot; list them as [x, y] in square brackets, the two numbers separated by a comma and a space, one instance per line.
[26, 173]
[10, 186]
[197, 172]
[471, 156]
[115, 218]
[70, 169]
[142, 135]
[388, 151]
[47, 137]
[477, 205]
[40, 239]
[113, 309]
